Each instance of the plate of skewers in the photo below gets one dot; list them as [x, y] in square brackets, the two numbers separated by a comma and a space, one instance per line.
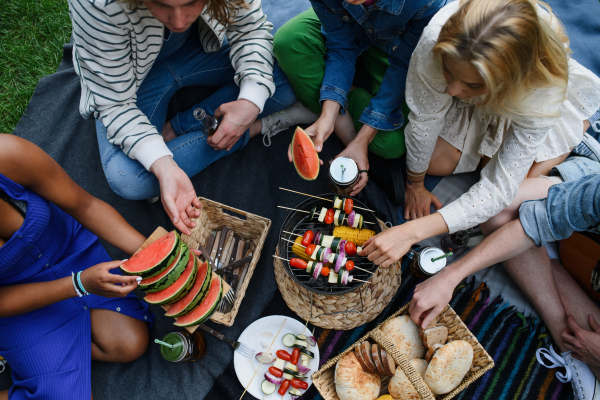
[286, 357]
[320, 242]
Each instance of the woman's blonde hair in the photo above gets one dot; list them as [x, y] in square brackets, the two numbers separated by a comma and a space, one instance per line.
[514, 48]
[220, 10]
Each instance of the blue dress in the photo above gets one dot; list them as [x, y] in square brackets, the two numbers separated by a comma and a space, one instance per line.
[49, 349]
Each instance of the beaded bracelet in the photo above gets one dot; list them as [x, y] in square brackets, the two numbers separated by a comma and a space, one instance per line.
[419, 175]
[75, 285]
[80, 285]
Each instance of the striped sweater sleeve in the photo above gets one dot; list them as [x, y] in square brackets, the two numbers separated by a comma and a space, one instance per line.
[110, 78]
[249, 35]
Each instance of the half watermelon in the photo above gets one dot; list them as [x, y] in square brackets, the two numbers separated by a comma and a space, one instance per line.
[153, 259]
[195, 296]
[179, 289]
[206, 308]
[304, 155]
[170, 274]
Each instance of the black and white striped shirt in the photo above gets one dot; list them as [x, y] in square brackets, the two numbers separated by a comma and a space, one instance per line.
[115, 47]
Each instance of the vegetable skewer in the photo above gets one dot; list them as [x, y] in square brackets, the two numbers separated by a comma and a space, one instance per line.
[313, 212]
[321, 198]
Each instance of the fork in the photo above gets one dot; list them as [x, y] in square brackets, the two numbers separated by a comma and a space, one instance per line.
[239, 347]
[226, 305]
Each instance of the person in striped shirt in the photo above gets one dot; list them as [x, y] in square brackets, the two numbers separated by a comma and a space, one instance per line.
[133, 55]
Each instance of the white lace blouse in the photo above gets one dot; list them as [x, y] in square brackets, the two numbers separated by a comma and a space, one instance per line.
[513, 144]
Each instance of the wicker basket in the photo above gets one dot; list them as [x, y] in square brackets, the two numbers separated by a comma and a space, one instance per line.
[249, 227]
[457, 330]
[344, 311]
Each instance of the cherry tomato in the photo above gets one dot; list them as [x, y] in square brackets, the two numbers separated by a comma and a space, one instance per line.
[299, 384]
[325, 271]
[284, 355]
[276, 372]
[348, 206]
[295, 356]
[329, 216]
[307, 238]
[298, 263]
[350, 248]
[284, 387]
[310, 249]
[349, 265]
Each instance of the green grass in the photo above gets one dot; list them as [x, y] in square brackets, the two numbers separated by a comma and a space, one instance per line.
[32, 33]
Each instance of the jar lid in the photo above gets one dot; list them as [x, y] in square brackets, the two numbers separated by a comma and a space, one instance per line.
[425, 259]
[343, 170]
[179, 347]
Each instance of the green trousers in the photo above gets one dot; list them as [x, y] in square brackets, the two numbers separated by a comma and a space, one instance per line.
[300, 50]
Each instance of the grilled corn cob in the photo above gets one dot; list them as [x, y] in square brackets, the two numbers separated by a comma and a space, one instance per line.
[356, 236]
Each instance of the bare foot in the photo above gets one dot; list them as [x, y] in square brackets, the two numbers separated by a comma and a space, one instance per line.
[168, 133]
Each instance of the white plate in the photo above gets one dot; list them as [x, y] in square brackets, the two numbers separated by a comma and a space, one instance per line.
[245, 367]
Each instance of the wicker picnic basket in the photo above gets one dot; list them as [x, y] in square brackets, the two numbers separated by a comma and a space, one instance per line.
[249, 227]
[457, 330]
[343, 311]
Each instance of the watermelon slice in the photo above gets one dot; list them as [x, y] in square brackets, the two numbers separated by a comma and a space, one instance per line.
[206, 308]
[195, 296]
[155, 258]
[170, 274]
[180, 288]
[304, 155]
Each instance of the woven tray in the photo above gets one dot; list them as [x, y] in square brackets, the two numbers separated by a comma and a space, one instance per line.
[457, 330]
[253, 229]
[349, 312]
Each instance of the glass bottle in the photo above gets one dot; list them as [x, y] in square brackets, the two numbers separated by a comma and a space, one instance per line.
[209, 123]
[455, 241]
[183, 346]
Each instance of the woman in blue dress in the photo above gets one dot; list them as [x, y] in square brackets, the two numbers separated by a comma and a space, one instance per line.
[49, 229]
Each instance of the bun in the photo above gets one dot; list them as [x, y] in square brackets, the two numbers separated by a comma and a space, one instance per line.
[400, 386]
[437, 335]
[352, 382]
[449, 366]
[405, 335]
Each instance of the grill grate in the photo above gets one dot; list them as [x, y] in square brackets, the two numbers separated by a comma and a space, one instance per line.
[298, 223]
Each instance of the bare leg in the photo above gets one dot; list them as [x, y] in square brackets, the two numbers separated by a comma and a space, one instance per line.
[4, 395]
[117, 337]
[446, 158]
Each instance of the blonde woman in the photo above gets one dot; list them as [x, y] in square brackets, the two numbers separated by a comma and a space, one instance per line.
[491, 87]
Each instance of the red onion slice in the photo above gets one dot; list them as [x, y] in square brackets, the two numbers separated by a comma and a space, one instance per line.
[351, 218]
[317, 271]
[272, 378]
[312, 340]
[317, 238]
[302, 369]
[340, 261]
[326, 253]
[344, 277]
[265, 358]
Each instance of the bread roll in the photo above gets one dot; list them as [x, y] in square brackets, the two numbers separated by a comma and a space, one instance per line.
[405, 335]
[400, 387]
[449, 366]
[437, 335]
[352, 382]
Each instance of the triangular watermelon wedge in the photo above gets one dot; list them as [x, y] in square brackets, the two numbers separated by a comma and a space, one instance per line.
[206, 308]
[195, 296]
[304, 155]
[155, 258]
[174, 271]
[180, 288]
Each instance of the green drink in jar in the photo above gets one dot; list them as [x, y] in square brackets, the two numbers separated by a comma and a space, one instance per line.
[182, 346]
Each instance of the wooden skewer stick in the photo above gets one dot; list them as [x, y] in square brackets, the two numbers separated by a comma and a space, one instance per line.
[293, 209]
[291, 241]
[246, 389]
[321, 198]
[362, 269]
[291, 233]
[281, 258]
[358, 280]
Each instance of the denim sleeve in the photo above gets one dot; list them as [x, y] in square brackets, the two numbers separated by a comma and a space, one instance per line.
[570, 207]
[340, 61]
[385, 109]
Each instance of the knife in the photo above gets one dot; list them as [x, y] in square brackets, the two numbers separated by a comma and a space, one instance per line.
[226, 246]
[209, 244]
[222, 241]
[213, 252]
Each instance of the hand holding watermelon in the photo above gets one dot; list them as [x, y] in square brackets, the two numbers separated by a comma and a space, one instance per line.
[100, 281]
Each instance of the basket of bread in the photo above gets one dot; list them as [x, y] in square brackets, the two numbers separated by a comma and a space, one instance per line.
[400, 361]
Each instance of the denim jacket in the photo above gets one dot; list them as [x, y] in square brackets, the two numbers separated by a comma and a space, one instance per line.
[392, 25]
[572, 206]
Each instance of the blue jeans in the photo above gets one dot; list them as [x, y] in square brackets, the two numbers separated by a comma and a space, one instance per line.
[182, 63]
[572, 206]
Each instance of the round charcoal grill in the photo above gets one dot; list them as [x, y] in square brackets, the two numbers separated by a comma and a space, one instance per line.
[298, 223]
